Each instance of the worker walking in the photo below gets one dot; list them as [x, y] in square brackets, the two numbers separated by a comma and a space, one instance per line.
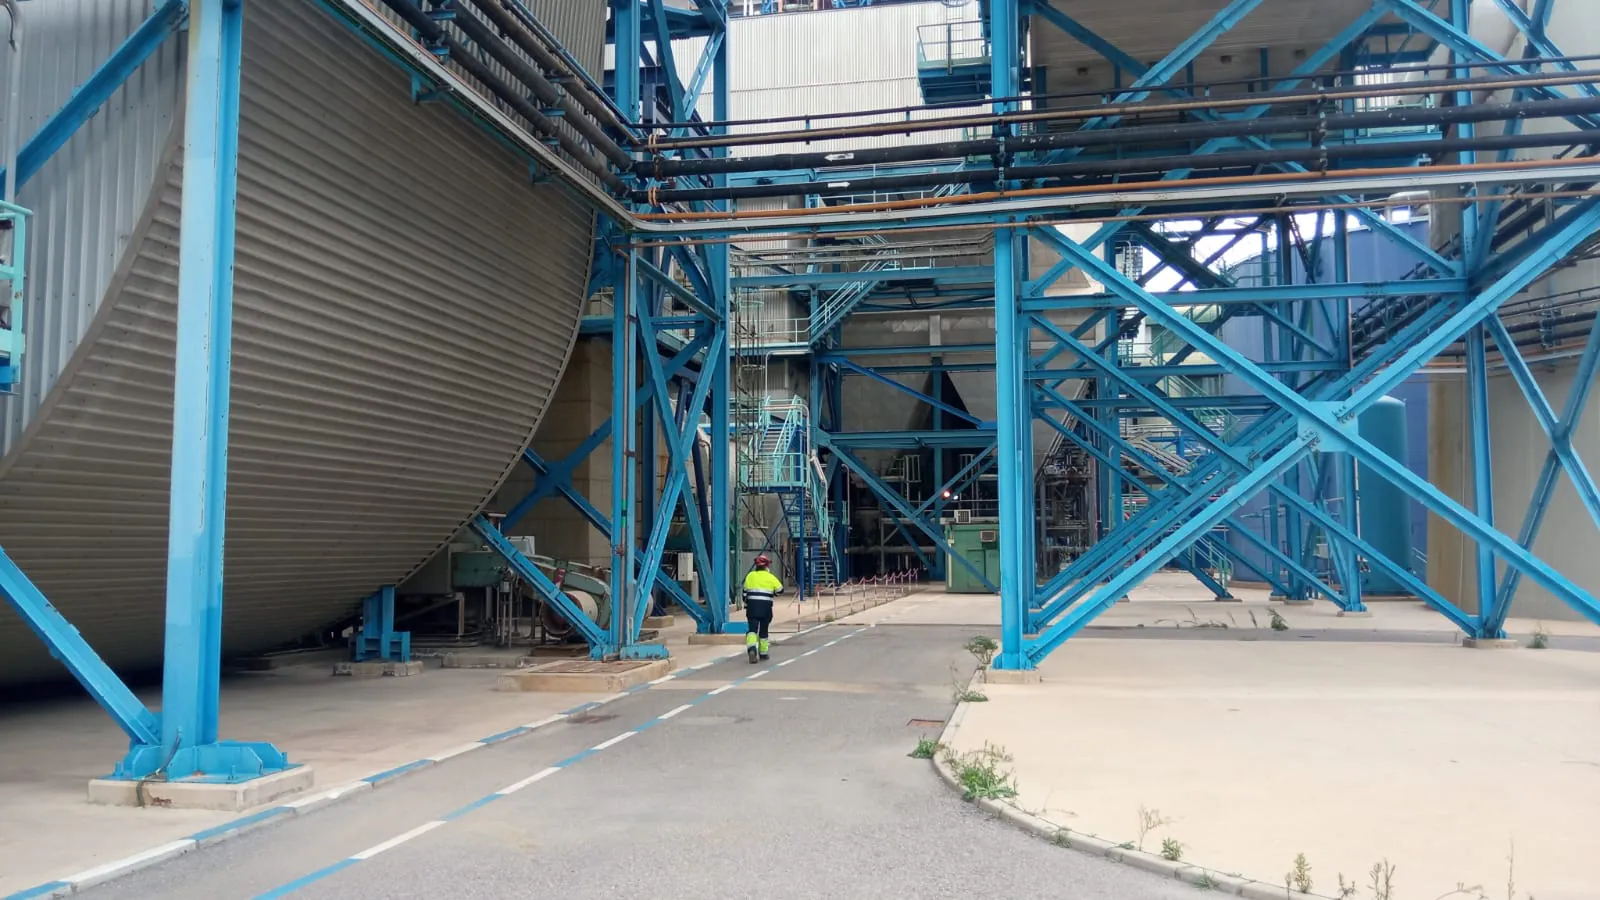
[760, 587]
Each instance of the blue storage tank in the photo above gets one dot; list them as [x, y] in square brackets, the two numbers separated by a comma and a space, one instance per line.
[1385, 510]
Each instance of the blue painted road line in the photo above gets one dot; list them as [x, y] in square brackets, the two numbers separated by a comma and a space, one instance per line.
[510, 733]
[509, 789]
[243, 822]
[43, 890]
[397, 771]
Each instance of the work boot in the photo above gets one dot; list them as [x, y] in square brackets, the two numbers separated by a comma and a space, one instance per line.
[764, 645]
[750, 648]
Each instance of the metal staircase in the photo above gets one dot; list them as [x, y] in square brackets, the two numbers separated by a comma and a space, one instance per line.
[13, 221]
[776, 460]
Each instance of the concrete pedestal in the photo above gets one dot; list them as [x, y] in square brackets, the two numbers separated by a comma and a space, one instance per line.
[585, 676]
[378, 668]
[182, 794]
[659, 621]
[698, 638]
[1355, 613]
[486, 660]
[1489, 644]
[1011, 676]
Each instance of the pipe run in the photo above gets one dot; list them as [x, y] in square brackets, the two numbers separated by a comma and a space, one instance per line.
[435, 35]
[514, 21]
[983, 120]
[1316, 158]
[1319, 126]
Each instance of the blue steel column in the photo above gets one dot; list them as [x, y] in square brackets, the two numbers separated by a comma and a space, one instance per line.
[1349, 486]
[624, 376]
[1482, 465]
[718, 582]
[1016, 526]
[191, 669]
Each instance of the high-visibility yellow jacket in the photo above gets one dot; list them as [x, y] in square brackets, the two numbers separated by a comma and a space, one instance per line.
[761, 584]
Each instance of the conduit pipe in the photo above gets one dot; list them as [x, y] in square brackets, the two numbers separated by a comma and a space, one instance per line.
[548, 93]
[1321, 95]
[1135, 135]
[591, 160]
[501, 13]
[1316, 157]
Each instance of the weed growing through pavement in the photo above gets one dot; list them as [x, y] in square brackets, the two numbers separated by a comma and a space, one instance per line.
[960, 689]
[984, 774]
[983, 648]
[1171, 849]
[1149, 820]
[1278, 622]
[1540, 639]
[1062, 838]
[1206, 882]
[927, 748]
[1299, 877]
[1381, 880]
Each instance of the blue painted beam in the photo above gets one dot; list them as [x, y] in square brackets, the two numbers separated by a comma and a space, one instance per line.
[67, 645]
[847, 367]
[1256, 295]
[966, 437]
[86, 101]
[547, 590]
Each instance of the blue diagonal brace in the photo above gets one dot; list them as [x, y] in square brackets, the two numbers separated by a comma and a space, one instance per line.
[540, 582]
[849, 366]
[67, 645]
[86, 101]
[1577, 400]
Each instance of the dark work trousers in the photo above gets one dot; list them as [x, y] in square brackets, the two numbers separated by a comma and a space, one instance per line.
[758, 616]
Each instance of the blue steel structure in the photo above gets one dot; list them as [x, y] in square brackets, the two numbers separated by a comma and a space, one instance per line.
[666, 267]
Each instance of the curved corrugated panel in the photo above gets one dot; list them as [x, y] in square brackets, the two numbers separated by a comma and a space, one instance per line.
[405, 303]
[90, 194]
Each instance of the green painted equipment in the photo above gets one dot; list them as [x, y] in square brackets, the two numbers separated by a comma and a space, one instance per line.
[979, 543]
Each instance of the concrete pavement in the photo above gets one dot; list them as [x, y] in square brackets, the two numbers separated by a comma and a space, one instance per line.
[787, 780]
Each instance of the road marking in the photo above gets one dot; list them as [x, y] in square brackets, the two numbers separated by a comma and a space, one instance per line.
[303, 881]
[394, 842]
[606, 745]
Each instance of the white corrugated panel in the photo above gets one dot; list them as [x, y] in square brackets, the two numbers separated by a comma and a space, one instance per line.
[406, 301]
[833, 61]
[87, 198]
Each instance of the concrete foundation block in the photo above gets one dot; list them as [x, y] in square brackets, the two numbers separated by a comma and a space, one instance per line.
[183, 794]
[584, 676]
[1294, 601]
[659, 621]
[1355, 613]
[698, 638]
[1489, 644]
[485, 660]
[403, 669]
[370, 669]
[1011, 676]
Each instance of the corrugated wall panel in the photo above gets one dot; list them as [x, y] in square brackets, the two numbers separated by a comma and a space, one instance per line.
[406, 302]
[88, 197]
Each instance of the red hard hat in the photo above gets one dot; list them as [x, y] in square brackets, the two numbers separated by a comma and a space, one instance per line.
[762, 561]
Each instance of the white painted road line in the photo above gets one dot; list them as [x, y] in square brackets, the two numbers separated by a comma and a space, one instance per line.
[604, 745]
[394, 842]
[726, 687]
[684, 708]
[537, 776]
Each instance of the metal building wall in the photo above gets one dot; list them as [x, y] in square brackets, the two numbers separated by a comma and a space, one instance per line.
[88, 197]
[828, 61]
[406, 302]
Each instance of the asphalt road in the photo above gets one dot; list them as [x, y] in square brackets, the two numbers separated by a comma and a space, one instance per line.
[795, 784]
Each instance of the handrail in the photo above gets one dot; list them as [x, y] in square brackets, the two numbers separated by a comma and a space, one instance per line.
[13, 340]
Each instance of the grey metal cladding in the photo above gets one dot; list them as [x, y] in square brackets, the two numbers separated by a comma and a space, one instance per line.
[89, 194]
[406, 300]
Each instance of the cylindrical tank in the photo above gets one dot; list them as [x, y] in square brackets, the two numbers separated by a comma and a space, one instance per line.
[1385, 510]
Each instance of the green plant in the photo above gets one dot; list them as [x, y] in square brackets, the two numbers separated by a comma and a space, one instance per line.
[927, 748]
[1126, 845]
[1382, 880]
[983, 648]
[1206, 882]
[1150, 820]
[1278, 622]
[1300, 875]
[1540, 639]
[1347, 889]
[1062, 838]
[1171, 849]
[984, 774]
[961, 690]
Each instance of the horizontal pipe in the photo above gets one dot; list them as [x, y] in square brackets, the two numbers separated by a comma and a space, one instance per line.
[505, 15]
[1321, 95]
[548, 93]
[1317, 157]
[1017, 145]
[459, 54]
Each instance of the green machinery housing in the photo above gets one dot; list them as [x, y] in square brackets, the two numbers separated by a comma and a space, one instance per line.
[979, 542]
